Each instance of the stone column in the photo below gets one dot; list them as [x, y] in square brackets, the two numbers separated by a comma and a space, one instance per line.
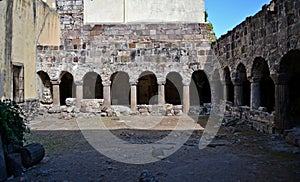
[226, 90]
[255, 93]
[56, 94]
[106, 93]
[281, 102]
[186, 98]
[238, 92]
[161, 93]
[79, 93]
[133, 99]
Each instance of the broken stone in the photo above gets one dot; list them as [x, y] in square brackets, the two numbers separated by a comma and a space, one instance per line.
[70, 101]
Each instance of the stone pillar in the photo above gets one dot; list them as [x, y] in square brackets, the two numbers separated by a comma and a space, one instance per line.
[161, 93]
[238, 92]
[226, 90]
[281, 102]
[106, 93]
[133, 99]
[79, 93]
[255, 93]
[186, 98]
[56, 94]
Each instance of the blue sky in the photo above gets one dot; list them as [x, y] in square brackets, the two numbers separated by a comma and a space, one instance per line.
[226, 14]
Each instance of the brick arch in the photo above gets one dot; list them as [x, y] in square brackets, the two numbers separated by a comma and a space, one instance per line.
[200, 88]
[174, 88]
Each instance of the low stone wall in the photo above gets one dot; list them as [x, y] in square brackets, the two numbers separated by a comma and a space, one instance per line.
[259, 120]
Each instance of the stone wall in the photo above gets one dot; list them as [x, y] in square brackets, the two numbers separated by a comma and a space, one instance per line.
[269, 34]
[271, 38]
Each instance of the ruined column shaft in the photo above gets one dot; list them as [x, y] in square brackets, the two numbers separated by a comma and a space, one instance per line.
[56, 94]
[161, 94]
[238, 95]
[255, 95]
[186, 98]
[79, 95]
[281, 107]
[106, 95]
[133, 99]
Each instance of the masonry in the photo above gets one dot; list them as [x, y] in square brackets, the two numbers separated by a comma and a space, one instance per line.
[129, 64]
[260, 68]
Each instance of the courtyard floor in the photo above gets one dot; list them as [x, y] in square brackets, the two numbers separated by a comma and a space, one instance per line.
[236, 153]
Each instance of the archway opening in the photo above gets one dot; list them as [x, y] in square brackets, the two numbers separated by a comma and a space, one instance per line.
[147, 89]
[261, 71]
[45, 88]
[290, 65]
[229, 86]
[242, 76]
[67, 87]
[120, 89]
[92, 86]
[173, 89]
[202, 86]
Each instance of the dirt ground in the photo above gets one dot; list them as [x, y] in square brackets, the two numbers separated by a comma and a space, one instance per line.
[236, 154]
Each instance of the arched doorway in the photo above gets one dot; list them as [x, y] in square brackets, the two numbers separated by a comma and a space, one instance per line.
[45, 88]
[120, 89]
[201, 85]
[245, 85]
[66, 87]
[266, 97]
[147, 88]
[229, 96]
[290, 65]
[92, 86]
[173, 89]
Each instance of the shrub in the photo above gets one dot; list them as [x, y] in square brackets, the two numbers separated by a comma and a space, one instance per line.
[12, 123]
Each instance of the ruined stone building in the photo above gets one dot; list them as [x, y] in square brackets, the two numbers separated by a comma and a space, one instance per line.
[144, 54]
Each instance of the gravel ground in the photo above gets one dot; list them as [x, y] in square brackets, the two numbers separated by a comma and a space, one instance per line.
[236, 154]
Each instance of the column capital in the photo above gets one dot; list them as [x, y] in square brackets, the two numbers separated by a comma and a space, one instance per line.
[55, 82]
[254, 79]
[161, 82]
[133, 82]
[186, 82]
[236, 81]
[78, 83]
[280, 78]
[106, 83]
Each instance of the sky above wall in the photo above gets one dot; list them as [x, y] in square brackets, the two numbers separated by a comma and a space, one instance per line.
[226, 14]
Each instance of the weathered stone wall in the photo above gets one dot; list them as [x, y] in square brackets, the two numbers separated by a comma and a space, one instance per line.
[106, 49]
[269, 34]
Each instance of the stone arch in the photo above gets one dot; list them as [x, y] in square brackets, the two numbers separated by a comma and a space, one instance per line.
[173, 88]
[67, 87]
[92, 86]
[263, 88]
[45, 88]
[200, 91]
[120, 88]
[243, 98]
[290, 66]
[229, 88]
[147, 88]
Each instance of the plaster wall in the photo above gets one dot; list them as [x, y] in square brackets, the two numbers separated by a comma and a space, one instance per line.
[33, 23]
[143, 11]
